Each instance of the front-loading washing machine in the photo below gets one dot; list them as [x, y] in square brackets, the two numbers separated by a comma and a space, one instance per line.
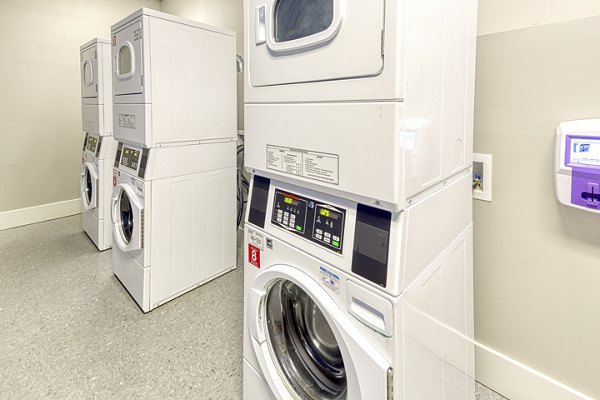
[330, 83]
[96, 188]
[173, 213]
[345, 301]
[174, 80]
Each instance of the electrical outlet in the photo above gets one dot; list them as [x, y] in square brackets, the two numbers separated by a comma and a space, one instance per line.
[482, 177]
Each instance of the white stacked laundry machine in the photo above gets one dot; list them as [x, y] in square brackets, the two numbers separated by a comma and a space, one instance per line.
[173, 205]
[99, 146]
[358, 266]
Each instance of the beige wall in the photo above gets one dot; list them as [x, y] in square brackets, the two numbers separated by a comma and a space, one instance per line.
[537, 263]
[40, 103]
[223, 13]
[503, 15]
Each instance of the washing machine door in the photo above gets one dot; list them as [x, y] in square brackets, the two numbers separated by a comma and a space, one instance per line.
[307, 346]
[297, 41]
[89, 73]
[89, 186]
[127, 213]
[127, 60]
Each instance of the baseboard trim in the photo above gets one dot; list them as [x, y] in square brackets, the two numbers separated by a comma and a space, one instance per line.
[45, 212]
[517, 381]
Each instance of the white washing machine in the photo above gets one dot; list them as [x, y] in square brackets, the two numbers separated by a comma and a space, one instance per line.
[96, 87]
[174, 80]
[343, 301]
[329, 83]
[174, 218]
[96, 188]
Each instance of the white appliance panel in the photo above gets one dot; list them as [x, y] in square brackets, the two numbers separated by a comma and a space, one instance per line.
[128, 60]
[183, 231]
[293, 42]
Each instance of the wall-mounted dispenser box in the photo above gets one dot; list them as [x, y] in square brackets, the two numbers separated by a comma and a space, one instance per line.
[577, 164]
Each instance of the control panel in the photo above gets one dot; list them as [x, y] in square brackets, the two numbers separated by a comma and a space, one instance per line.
[130, 158]
[91, 144]
[315, 221]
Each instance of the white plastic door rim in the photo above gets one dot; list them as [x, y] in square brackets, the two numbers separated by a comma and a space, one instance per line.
[303, 343]
[89, 72]
[299, 41]
[89, 186]
[127, 60]
[311, 349]
[126, 212]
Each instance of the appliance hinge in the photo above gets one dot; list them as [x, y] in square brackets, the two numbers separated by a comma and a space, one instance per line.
[382, 42]
[142, 79]
[390, 383]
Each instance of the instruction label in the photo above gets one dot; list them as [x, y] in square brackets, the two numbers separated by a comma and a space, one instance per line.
[255, 239]
[314, 165]
[127, 121]
[330, 280]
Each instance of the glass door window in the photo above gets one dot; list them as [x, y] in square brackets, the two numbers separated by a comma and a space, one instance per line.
[126, 213]
[89, 65]
[303, 343]
[88, 187]
[124, 57]
[296, 19]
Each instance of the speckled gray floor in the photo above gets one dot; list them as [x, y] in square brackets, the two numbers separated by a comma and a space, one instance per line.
[69, 330]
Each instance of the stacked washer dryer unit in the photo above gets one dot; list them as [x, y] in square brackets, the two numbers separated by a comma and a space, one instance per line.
[99, 146]
[173, 204]
[358, 266]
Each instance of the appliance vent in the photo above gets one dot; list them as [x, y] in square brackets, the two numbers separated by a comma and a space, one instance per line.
[97, 192]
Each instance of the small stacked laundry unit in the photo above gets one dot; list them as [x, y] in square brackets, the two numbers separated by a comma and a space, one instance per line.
[173, 204]
[99, 146]
[358, 275]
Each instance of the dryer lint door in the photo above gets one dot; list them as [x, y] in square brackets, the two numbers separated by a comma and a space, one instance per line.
[297, 41]
[127, 60]
[89, 186]
[89, 72]
[306, 345]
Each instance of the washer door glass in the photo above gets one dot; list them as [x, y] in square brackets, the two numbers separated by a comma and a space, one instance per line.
[88, 186]
[303, 344]
[126, 213]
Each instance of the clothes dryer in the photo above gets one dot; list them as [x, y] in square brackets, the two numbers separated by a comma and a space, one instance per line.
[370, 101]
[174, 218]
[96, 188]
[174, 80]
[96, 87]
[323, 321]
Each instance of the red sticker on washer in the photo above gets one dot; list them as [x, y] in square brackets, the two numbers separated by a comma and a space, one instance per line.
[254, 256]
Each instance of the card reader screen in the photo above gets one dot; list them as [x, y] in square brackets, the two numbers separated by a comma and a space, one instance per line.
[585, 151]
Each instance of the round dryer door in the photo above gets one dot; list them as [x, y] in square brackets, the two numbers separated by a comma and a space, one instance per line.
[304, 344]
